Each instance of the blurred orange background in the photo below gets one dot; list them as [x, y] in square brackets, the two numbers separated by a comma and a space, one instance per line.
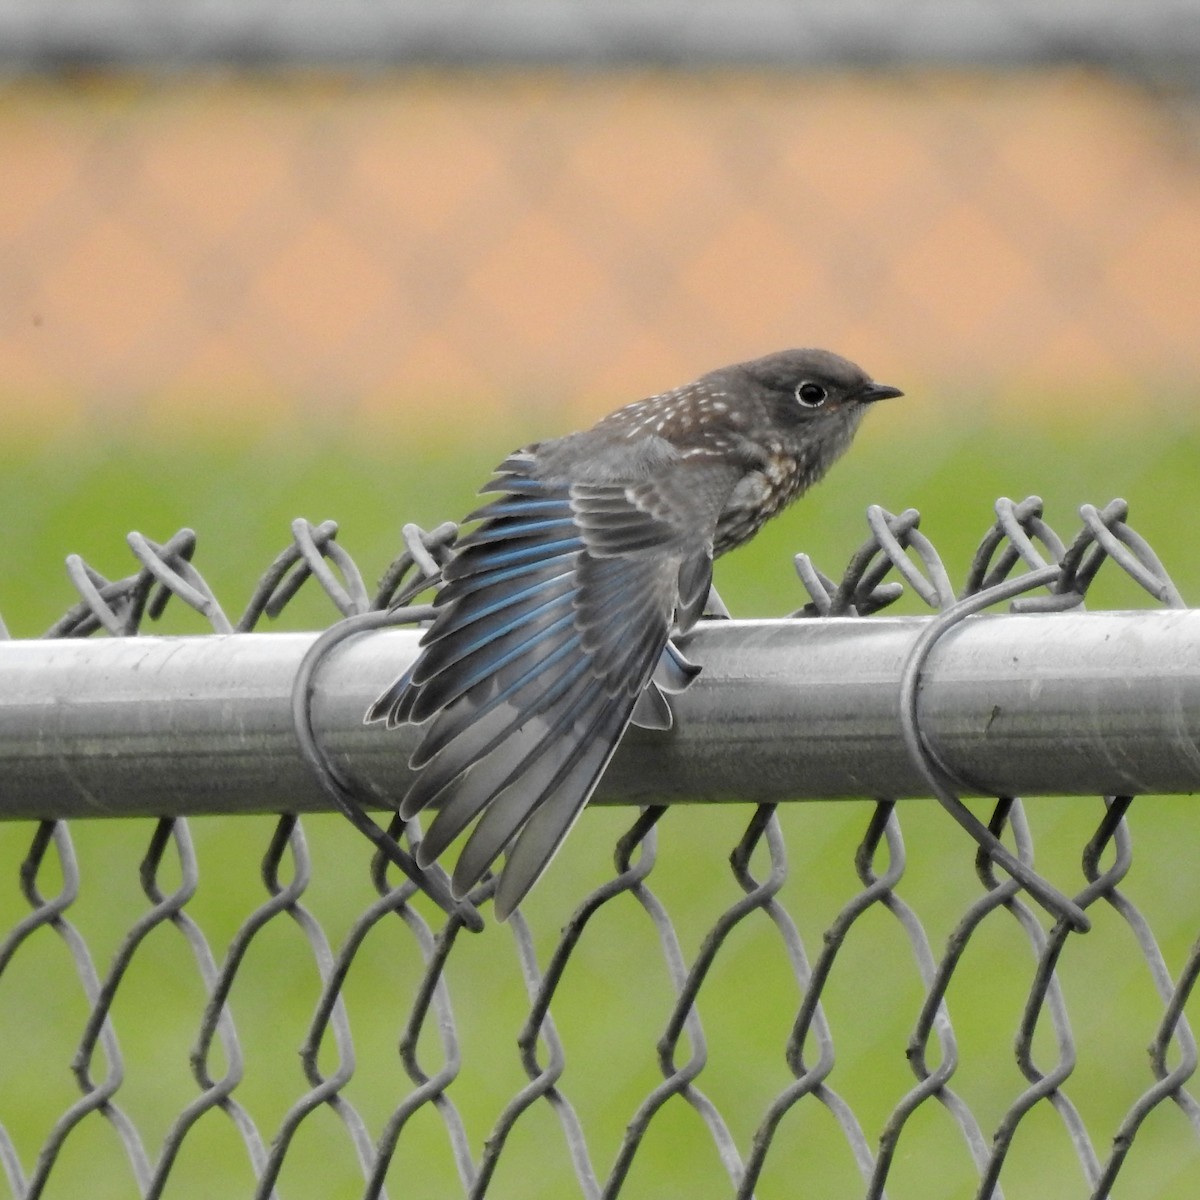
[245, 250]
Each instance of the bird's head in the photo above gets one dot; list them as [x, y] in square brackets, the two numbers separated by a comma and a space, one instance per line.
[811, 395]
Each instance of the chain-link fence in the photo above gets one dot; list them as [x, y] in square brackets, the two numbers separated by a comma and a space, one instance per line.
[645, 1044]
[222, 219]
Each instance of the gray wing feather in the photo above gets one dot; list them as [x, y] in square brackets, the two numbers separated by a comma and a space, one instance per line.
[554, 615]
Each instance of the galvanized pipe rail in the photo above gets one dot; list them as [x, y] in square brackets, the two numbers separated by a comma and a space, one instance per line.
[1073, 703]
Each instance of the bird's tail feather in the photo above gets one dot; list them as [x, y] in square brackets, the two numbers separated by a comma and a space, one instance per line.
[560, 777]
[464, 784]
[393, 706]
[548, 826]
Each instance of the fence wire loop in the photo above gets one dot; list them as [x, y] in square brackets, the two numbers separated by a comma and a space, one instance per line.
[119, 606]
[176, 576]
[942, 783]
[824, 593]
[350, 596]
[425, 555]
[345, 793]
[1130, 552]
[894, 535]
[1013, 533]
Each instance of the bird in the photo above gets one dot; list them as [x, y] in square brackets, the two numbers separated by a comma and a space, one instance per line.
[556, 615]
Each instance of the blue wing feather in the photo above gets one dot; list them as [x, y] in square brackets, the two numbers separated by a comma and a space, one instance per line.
[553, 615]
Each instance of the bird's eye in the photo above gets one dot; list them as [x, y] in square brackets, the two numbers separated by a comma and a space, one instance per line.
[811, 395]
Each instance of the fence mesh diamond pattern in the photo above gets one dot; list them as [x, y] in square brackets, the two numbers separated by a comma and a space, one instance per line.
[382, 241]
[633, 1049]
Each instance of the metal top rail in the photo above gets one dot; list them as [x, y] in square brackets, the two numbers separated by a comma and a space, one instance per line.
[177, 726]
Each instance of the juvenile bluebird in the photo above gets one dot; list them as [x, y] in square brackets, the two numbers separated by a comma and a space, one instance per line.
[555, 614]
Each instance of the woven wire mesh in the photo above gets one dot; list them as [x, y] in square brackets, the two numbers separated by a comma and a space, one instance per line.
[654, 1043]
[374, 240]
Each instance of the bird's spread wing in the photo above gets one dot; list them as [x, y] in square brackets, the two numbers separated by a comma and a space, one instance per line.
[554, 614]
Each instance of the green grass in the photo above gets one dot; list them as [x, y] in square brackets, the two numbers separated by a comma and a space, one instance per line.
[83, 496]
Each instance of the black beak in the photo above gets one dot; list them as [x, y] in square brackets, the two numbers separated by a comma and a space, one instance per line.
[878, 391]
